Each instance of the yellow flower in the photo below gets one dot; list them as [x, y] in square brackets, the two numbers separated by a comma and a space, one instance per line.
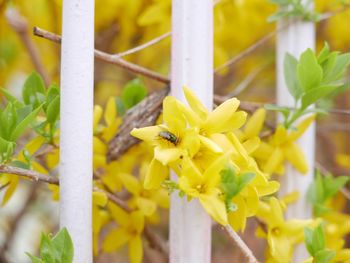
[99, 216]
[204, 186]
[282, 146]
[223, 119]
[142, 199]
[130, 227]
[282, 236]
[172, 141]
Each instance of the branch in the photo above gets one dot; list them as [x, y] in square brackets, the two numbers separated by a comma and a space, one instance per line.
[109, 58]
[32, 175]
[143, 46]
[241, 245]
[20, 25]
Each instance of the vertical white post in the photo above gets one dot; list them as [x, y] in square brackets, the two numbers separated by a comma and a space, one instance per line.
[192, 65]
[77, 66]
[295, 39]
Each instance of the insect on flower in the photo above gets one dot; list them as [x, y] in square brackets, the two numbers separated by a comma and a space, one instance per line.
[170, 137]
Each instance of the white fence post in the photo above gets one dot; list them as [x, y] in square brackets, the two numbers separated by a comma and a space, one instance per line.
[295, 39]
[77, 65]
[192, 65]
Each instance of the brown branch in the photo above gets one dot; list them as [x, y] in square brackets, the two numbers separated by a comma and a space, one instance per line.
[32, 175]
[20, 25]
[143, 46]
[241, 245]
[109, 58]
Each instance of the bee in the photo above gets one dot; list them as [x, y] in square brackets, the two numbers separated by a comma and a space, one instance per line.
[170, 137]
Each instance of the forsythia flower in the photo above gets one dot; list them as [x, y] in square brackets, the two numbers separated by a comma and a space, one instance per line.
[282, 236]
[205, 186]
[130, 227]
[282, 146]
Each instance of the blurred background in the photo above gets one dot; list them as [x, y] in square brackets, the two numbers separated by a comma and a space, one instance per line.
[121, 25]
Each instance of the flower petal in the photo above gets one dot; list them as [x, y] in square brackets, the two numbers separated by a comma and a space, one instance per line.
[214, 207]
[146, 206]
[219, 119]
[156, 174]
[138, 221]
[296, 157]
[175, 121]
[130, 183]
[255, 123]
[275, 159]
[115, 239]
[149, 134]
[135, 250]
[110, 111]
[119, 215]
[195, 103]
[168, 155]
[301, 128]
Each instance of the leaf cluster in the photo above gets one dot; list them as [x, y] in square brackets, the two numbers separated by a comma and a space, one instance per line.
[232, 184]
[312, 79]
[294, 8]
[17, 115]
[322, 189]
[316, 245]
[58, 249]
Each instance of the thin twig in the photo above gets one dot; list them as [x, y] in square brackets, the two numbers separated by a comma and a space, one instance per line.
[241, 245]
[20, 25]
[33, 175]
[143, 46]
[109, 58]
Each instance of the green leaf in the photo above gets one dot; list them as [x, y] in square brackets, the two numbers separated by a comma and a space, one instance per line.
[333, 185]
[6, 149]
[120, 107]
[290, 75]
[309, 72]
[24, 123]
[52, 93]
[53, 110]
[318, 240]
[47, 252]
[20, 164]
[133, 93]
[315, 94]
[34, 259]
[8, 120]
[277, 16]
[324, 256]
[308, 233]
[323, 55]
[63, 246]
[11, 98]
[232, 184]
[34, 90]
[340, 67]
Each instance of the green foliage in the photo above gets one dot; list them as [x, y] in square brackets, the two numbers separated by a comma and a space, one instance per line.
[312, 80]
[294, 8]
[316, 245]
[133, 92]
[232, 184]
[322, 189]
[16, 116]
[58, 249]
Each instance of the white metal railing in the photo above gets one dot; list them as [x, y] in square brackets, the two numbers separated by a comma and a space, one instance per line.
[77, 71]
